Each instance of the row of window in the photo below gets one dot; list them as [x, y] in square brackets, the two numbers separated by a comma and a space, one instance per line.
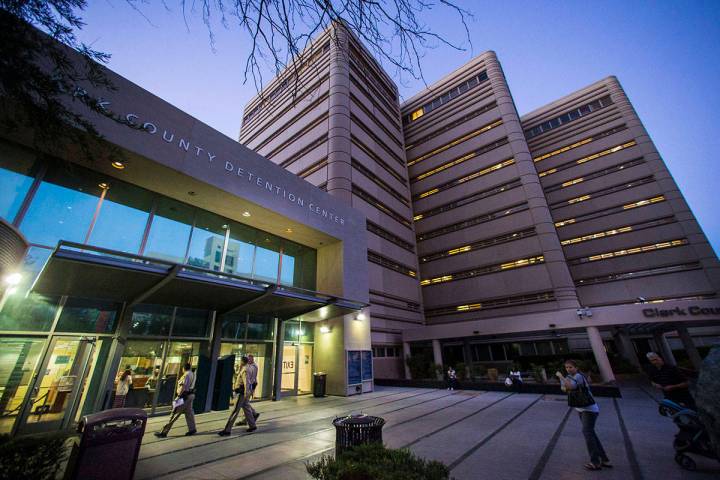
[411, 304]
[379, 182]
[468, 199]
[568, 117]
[378, 102]
[389, 151]
[587, 158]
[275, 92]
[651, 272]
[485, 270]
[493, 303]
[386, 262]
[466, 178]
[480, 244]
[498, 352]
[302, 134]
[619, 230]
[580, 143]
[597, 174]
[356, 142]
[387, 352]
[471, 222]
[449, 126]
[450, 144]
[604, 192]
[395, 136]
[458, 160]
[609, 211]
[446, 97]
[381, 232]
[358, 60]
[380, 206]
[629, 251]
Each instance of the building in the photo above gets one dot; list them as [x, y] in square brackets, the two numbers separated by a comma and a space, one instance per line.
[189, 247]
[519, 223]
[333, 118]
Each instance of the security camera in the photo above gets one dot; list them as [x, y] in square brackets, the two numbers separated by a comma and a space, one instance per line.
[641, 299]
[580, 312]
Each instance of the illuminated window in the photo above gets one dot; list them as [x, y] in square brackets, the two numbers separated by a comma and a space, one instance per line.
[451, 144]
[642, 203]
[476, 272]
[588, 158]
[630, 251]
[580, 143]
[416, 114]
[467, 178]
[578, 199]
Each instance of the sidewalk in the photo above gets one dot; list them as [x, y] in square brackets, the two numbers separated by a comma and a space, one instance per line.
[493, 435]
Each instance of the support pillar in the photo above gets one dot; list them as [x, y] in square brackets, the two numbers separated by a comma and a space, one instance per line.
[690, 348]
[664, 348]
[626, 347]
[600, 354]
[279, 343]
[406, 355]
[437, 357]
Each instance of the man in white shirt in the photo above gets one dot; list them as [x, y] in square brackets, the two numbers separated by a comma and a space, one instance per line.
[185, 395]
[245, 383]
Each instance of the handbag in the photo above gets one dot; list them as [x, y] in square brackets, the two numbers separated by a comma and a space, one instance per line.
[581, 396]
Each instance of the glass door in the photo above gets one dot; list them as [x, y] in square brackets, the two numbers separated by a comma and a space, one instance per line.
[57, 385]
[18, 359]
[296, 369]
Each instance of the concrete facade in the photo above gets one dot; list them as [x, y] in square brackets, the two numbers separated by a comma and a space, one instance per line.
[525, 229]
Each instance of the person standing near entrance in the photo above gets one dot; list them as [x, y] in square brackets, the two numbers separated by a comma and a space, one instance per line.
[183, 403]
[243, 388]
[123, 388]
[580, 397]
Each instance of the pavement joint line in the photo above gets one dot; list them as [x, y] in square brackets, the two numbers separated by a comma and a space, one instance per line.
[393, 425]
[629, 449]
[542, 461]
[427, 435]
[272, 430]
[153, 441]
[303, 458]
[485, 440]
[649, 395]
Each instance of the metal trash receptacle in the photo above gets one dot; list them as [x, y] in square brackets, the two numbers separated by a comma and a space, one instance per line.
[109, 445]
[354, 430]
[319, 383]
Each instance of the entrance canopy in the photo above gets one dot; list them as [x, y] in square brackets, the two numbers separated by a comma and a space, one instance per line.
[91, 272]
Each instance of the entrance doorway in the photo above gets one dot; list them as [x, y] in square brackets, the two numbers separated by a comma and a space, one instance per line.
[296, 369]
[59, 384]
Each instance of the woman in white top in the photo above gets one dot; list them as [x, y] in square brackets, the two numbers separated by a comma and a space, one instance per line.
[575, 381]
[123, 387]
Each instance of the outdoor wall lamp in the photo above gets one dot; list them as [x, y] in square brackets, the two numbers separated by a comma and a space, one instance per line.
[325, 329]
[584, 312]
[360, 316]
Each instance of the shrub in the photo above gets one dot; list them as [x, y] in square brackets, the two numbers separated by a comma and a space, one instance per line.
[32, 456]
[375, 462]
[421, 367]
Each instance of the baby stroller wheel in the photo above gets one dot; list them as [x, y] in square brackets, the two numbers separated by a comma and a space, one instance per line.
[685, 462]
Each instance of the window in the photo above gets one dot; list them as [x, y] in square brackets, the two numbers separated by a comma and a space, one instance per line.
[16, 178]
[497, 351]
[151, 320]
[629, 251]
[170, 230]
[267, 258]
[445, 98]
[416, 114]
[568, 117]
[90, 316]
[207, 241]
[240, 250]
[480, 353]
[524, 262]
[466, 178]
[190, 322]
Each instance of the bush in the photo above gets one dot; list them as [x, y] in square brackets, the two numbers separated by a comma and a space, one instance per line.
[375, 462]
[32, 456]
[421, 367]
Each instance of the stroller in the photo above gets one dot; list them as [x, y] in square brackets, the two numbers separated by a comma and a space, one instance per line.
[692, 436]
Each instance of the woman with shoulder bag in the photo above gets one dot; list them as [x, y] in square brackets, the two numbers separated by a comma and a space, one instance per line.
[579, 396]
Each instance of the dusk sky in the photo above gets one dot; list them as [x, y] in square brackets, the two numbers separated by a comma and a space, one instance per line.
[665, 54]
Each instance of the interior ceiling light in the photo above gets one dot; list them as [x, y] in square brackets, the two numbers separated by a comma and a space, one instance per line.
[246, 214]
[103, 185]
[289, 230]
[118, 164]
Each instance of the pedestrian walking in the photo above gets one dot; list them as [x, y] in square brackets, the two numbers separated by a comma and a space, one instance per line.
[580, 397]
[251, 372]
[123, 388]
[515, 378]
[452, 378]
[183, 403]
[243, 388]
[673, 383]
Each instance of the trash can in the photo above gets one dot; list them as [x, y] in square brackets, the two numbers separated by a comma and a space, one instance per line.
[355, 430]
[319, 381]
[109, 445]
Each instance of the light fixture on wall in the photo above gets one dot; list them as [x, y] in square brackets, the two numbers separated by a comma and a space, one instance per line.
[325, 329]
[246, 214]
[360, 316]
[118, 165]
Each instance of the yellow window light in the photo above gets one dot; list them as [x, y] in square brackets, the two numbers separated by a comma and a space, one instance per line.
[572, 182]
[614, 149]
[578, 199]
[522, 262]
[644, 248]
[594, 236]
[563, 149]
[472, 306]
[562, 223]
[642, 203]
[472, 176]
[547, 172]
[455, 142]
[455, 251]
[417, 114]
[429, 192]
[442, 167]
[418, 217]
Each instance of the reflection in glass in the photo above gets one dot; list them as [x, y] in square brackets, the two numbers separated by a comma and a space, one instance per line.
[260, 328]
[234, 325]
[267, 258]
[63, 206]
[18, 360]
[207, 241]
[178, 354]
[87, 316]
[151, 320]
[16, 178]
[241, 250]
[122, 219]
[144, 359]
[170, 231]
[297, 331]
[190, 322]
[262, 355]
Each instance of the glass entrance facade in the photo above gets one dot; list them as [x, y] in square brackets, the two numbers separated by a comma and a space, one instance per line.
[61, 357]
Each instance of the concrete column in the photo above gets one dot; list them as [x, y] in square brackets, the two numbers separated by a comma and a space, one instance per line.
[690, 348]
[600, 354]
[437, 356]
[622, 339]
[664, 348]
[406, 355]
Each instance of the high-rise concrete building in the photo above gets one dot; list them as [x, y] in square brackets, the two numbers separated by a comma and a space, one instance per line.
[334, 120]
[494, 238]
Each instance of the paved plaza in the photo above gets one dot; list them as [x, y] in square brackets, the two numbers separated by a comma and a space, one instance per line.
[492, 435]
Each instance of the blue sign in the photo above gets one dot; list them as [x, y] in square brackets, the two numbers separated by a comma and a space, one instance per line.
[354, 367]
[367, 365]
